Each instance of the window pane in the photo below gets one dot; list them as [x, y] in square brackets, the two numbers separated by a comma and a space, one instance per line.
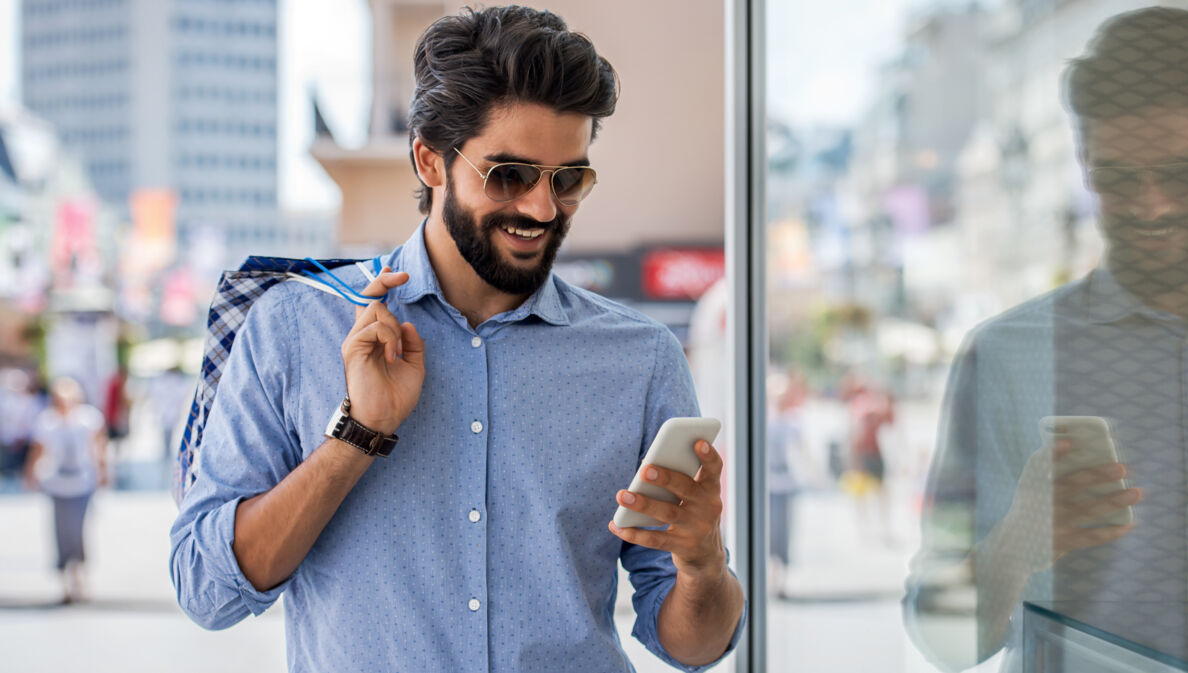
[976, 238]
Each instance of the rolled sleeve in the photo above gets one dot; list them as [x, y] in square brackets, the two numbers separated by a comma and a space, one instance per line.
[651, 571]
[653, 575]
[247, 448]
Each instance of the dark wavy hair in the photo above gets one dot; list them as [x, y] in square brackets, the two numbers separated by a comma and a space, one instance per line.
[466, 65]
[1137, 61]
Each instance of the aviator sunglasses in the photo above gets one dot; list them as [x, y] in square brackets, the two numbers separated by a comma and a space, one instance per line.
[1130, 181]
[509, 181]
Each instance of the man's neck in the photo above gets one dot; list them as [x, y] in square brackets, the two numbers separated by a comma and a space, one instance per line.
[1159, 290]
[462, 287]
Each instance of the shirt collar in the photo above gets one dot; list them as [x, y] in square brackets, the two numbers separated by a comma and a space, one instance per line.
[413, 258]
[1107, 301]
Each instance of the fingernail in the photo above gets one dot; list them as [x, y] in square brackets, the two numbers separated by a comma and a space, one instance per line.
[651, 474]
[702, 447]
[628, 498]
[614, 527]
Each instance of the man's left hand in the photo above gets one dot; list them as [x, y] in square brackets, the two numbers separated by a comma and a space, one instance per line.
[694, 534]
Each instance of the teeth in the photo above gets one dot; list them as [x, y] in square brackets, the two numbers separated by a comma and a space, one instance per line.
[525, 233]
[1155, 233]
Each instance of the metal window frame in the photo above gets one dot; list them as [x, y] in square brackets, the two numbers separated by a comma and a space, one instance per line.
[746, 170]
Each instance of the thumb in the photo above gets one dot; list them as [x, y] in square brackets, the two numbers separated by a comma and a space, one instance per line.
[414, 345]
[379, 286]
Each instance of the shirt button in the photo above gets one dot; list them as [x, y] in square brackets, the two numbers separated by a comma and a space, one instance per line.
[475, 516]
[476, 342]
[474, 605]
[476, 427]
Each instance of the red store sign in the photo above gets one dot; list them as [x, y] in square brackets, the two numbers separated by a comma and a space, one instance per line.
[681, 273]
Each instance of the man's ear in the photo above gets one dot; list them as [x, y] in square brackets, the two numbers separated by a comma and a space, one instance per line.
[430, 164]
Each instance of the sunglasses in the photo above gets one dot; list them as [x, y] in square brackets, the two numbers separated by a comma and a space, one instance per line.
[1130, 182]
[510, 181]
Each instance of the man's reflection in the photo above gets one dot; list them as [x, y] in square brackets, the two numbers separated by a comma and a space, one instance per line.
[1004, 511]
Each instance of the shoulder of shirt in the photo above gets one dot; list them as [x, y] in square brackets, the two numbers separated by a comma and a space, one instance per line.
[583, 304]
[1035, 315]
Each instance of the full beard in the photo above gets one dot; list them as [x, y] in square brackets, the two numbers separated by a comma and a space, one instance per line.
[476, 243]
[1150, 257]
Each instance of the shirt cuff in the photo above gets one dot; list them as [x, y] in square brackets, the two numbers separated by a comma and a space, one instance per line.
[647, 628]
[219, 528]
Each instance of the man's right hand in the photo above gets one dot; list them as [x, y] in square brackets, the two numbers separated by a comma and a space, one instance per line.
[1052, 517]
[384, 361]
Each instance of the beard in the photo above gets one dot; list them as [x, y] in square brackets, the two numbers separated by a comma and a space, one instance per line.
[1149, 266]
[475, 241]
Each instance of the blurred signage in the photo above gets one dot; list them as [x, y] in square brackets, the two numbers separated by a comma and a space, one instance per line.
[73, 249]
[681, 273]
[153, 243]
[614, 275]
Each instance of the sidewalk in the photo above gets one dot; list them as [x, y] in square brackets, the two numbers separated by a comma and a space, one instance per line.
[132, 623]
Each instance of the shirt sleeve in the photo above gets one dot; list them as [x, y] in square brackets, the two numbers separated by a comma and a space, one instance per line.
[970, 487]
[651, 571]
[247, 448]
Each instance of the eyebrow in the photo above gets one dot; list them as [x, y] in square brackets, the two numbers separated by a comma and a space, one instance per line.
[508, 158]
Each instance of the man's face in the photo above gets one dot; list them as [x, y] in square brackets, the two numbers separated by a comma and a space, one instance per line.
[512, 245]
[1132, 166]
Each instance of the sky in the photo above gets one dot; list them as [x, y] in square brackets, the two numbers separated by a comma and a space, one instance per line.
[821, 60]
[324, 47]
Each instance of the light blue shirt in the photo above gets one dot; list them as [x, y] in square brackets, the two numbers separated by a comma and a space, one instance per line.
[480, 544]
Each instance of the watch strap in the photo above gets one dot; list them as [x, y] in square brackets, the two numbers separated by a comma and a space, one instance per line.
[370, 442]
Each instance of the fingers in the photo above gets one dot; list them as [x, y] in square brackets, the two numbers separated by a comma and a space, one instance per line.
[384, 281]
[414, 345]
[377, 333]
[711, 464]
[657, 509]
[652, 539]
[1083, 538]
[1089, 510]
[672, 481]
[1073, 483]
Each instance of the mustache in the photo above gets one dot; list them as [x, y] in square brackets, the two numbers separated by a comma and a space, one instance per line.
[494, 221]
[1177, 221]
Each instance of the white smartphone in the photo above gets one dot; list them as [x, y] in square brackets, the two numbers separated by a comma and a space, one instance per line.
[1092, 445]
[672, 448]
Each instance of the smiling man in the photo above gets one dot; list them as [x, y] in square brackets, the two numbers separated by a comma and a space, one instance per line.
[1086, 518]
[508, 418]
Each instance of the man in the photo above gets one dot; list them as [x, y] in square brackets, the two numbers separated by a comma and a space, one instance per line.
[1044, 517]
[522, 406]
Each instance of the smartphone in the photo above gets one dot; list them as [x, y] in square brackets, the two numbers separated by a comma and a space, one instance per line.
[1092, 445]
[672, 448]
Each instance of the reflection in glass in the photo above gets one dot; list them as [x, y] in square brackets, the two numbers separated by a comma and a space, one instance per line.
[1059, 476]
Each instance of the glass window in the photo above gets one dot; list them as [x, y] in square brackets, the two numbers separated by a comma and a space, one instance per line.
[975, 248]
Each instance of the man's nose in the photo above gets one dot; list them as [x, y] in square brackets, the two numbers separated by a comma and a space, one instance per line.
[539, 203]
[1154, 200]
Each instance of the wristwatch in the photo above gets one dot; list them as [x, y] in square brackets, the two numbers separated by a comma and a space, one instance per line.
[347, 429]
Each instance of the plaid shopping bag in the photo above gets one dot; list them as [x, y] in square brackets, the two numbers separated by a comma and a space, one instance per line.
[237, 292]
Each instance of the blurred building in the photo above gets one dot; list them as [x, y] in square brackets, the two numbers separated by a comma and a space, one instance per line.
[58, 245]
[177, 96]
[652, 232]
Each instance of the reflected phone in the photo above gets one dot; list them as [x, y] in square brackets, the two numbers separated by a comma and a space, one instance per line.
[672, 448]
[1092, 445]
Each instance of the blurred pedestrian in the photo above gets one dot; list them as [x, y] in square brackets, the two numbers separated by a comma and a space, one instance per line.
[870, 410]
[67, 462]
[18, 407]
[785, 458]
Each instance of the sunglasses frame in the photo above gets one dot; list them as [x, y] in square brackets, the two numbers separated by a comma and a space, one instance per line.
[1143, 173]
[552, 170]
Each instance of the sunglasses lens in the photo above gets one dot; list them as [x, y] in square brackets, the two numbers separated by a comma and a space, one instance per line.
[506, 182]
[1173, 182]
[1117, 181]
[572, 184]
